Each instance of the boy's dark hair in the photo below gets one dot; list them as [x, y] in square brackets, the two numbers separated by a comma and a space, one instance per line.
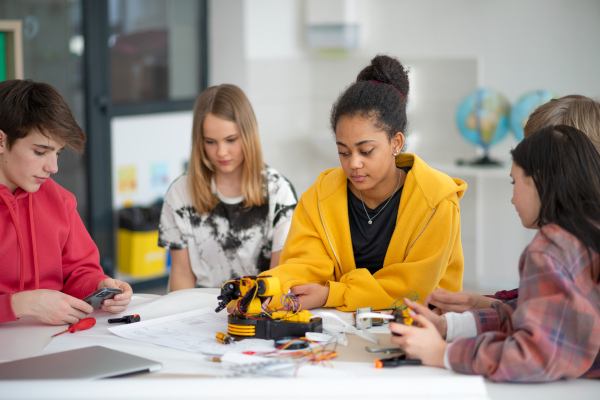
[27, 106]
[565, 167]
[380, 94]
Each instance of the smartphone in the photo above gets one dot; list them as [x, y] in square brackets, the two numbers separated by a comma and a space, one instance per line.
[96, 298]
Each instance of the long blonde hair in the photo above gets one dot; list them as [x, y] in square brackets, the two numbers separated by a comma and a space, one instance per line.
[574, 110]
[229, 103]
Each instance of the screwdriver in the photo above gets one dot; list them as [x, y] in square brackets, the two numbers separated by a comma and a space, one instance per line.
[82, 325]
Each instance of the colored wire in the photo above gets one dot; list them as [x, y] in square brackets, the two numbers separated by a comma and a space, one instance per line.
[413, 296]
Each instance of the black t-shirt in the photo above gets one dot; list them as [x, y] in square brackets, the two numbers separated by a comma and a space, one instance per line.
[370, 242]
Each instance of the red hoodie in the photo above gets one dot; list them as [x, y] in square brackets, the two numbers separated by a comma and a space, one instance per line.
[44, 245]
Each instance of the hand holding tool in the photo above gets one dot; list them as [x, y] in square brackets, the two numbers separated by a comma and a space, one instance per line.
[84, 324]
[128, 319]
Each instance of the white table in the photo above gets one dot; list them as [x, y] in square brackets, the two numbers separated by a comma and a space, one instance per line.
[188, 375]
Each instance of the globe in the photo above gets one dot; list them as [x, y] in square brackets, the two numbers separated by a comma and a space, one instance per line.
[527, 104]
[482, 119]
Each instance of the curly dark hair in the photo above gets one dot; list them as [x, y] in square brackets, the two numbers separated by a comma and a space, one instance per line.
[380, 94]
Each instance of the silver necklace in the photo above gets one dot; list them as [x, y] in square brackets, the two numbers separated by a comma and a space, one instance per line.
[386, 203]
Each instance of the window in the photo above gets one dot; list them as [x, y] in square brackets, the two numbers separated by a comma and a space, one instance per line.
[157, 54]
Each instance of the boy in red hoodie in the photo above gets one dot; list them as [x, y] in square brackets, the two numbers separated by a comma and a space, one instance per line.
[48, 261]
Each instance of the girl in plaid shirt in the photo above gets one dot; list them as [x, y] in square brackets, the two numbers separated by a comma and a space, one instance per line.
[554, 330]
[574, 110]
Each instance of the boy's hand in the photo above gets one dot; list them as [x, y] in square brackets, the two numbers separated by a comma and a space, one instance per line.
[118, 303]
[50, 306]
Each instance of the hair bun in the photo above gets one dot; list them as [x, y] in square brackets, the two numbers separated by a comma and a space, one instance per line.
[388, 70]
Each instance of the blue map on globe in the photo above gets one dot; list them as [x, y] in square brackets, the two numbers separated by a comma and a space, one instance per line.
[482, 118]
[527, 104]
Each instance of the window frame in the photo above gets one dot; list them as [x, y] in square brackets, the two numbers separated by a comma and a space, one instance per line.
[99, 111]
[161, 106]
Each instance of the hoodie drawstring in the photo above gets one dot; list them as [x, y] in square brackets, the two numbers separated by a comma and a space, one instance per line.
[36, 272]
[20, 240]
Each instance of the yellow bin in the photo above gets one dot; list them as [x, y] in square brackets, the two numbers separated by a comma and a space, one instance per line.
[139, 254]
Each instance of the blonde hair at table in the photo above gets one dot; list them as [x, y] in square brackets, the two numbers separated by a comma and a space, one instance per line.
[229, 103]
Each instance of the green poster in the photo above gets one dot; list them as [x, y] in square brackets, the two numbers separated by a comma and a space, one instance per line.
[2, 56]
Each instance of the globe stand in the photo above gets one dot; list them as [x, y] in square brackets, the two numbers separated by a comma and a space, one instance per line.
[484, 161]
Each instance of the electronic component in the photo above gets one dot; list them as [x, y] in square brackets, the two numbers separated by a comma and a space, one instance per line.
[396, 361]
[127, 319]
[225, 338]
[386, 350]
[291, 343]
[363, 323]
[403, 317]
[97, 298]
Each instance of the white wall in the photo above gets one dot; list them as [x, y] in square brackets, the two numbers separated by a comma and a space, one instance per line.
[519, 46]
[511, 45]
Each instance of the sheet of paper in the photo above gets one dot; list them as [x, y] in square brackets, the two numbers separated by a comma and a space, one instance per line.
[192, 331]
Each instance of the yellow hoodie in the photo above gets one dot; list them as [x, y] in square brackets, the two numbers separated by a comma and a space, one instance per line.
[425, 251]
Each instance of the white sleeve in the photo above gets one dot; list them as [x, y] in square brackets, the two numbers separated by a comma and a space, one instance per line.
[460, 325]
[285, 203]
[446, 360]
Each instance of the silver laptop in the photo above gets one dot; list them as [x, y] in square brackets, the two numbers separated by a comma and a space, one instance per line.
[94, 362]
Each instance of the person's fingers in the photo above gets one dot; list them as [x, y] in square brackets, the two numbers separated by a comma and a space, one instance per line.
[80, 305]
[113, 302]
[266, 302]
[115, 309]
[422, 320]
[69, 319]
[298, 290]
[398, 328]
[78, 314]
[127, 291]
[443, 296]
[437, 293]
[427, 300]
[402, 333]
[421, 309]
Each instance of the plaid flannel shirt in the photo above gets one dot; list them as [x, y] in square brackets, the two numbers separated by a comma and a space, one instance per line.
[554, 331]
[506, 295]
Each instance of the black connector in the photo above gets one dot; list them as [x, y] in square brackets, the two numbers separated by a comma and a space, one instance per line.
[128, 319]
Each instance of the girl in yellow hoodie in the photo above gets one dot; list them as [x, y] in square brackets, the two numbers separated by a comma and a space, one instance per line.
[382, 226]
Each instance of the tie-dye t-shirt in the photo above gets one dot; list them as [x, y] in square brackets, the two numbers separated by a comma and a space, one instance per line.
[230, 241]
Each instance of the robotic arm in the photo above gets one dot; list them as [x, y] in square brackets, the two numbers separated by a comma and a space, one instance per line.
[252, 290]
[251, 319]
